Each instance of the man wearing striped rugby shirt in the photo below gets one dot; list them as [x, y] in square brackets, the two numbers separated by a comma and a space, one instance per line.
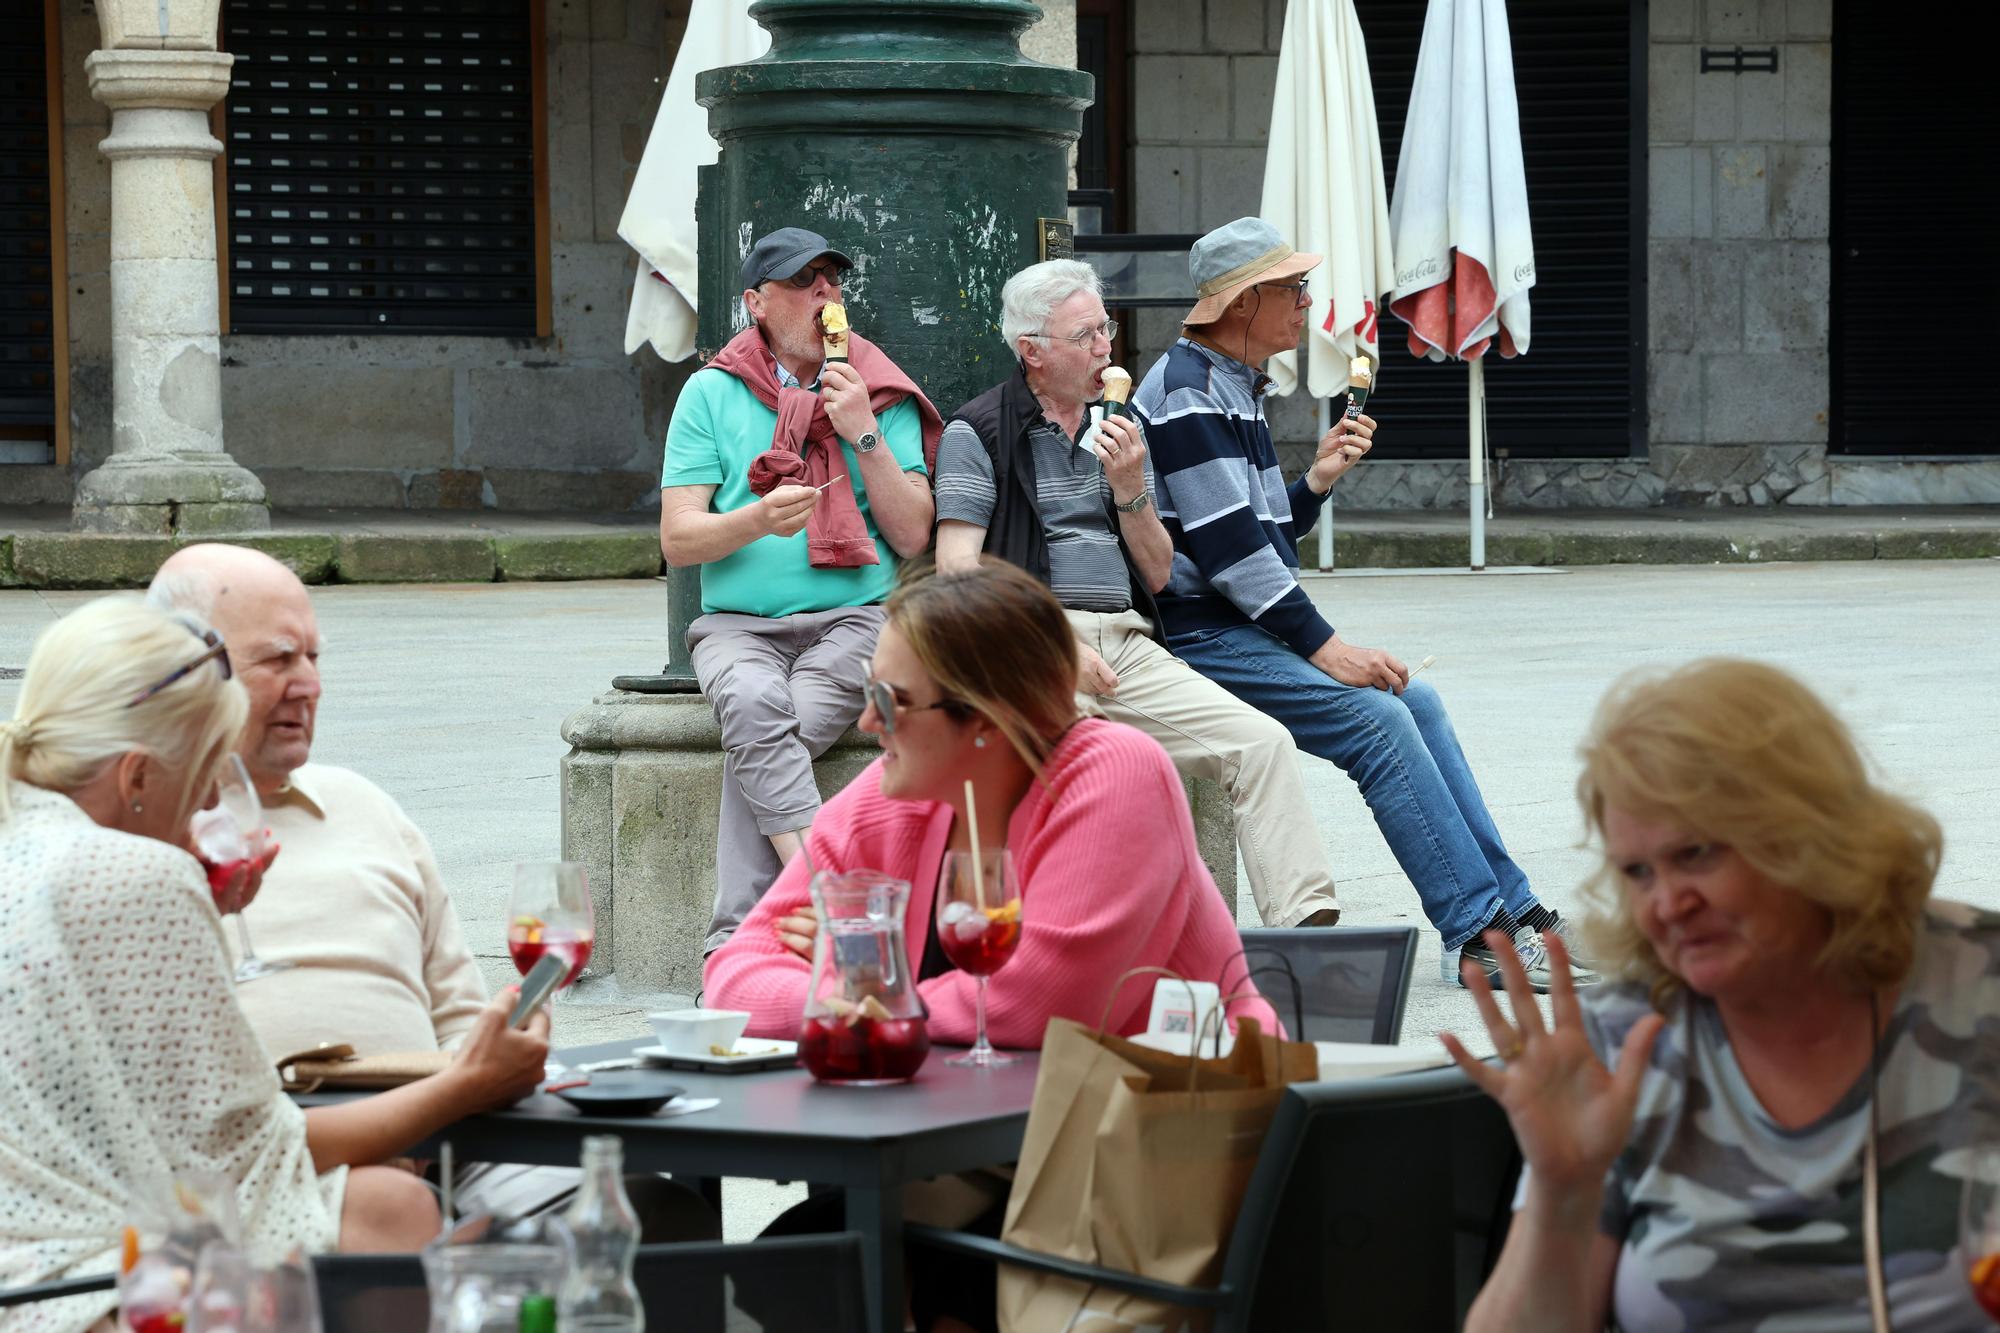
[1233, 608]
[1022, 478]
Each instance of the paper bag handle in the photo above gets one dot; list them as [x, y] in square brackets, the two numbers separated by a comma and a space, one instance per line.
[1250, 974]
[1104, 1015]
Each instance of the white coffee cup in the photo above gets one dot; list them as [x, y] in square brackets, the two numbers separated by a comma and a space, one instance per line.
[696, 1031]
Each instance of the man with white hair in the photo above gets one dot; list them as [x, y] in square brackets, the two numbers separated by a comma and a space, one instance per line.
[1021, 477]
[354, 900]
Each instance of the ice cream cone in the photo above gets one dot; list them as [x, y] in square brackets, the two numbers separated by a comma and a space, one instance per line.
[1117, 391]
[833, 330]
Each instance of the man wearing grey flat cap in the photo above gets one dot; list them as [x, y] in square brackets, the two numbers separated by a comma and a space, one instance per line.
[1234, 610]
[796, 479]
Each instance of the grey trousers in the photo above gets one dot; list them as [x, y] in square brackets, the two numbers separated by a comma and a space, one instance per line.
[784, 689]
[1210, 733]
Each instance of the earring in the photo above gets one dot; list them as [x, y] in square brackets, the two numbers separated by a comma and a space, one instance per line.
[979, 742]
[138, 809]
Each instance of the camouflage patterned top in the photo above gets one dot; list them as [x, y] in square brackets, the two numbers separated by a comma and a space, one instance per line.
[1729, 1221]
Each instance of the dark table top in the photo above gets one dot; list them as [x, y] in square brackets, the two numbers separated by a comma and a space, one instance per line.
[776, 1124]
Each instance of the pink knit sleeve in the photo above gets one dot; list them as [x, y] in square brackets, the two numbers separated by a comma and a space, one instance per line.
[753, 970]
[1105, 877]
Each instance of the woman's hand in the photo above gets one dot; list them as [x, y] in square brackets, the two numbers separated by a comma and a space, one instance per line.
[498, 1065]
[797, 930]
[241, 888]
[1570, 1114]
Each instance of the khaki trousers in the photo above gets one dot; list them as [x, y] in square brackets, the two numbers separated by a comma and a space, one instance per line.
[1210, 733]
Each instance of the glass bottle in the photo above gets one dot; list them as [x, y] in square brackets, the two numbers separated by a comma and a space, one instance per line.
[598, 1295]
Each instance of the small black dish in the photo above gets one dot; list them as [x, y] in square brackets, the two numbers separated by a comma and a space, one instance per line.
[622, 1092]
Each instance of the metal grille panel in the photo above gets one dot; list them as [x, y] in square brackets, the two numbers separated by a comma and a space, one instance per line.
[27, 330]
[381, 166]
[1913, 294]
[1580, 391]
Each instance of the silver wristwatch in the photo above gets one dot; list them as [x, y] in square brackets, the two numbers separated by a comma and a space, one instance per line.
[866, 444]
[1138, 502]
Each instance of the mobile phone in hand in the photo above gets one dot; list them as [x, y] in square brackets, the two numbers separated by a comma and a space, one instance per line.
[538, 986]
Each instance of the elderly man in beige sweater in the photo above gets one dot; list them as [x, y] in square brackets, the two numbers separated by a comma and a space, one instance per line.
[354, 899]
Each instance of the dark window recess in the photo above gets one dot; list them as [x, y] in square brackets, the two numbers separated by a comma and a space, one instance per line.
[1913, 296]
[27, 331]
[380, 166]
[1580, 392]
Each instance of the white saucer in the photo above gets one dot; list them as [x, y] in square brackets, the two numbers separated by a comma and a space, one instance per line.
[748, 1053]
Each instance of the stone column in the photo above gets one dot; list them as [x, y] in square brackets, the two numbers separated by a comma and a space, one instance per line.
[159, 73]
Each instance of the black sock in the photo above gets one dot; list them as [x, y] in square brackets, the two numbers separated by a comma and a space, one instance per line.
[1504, 922]
[1539, 918]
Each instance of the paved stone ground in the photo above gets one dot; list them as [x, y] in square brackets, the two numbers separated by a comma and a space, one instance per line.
[451, 696]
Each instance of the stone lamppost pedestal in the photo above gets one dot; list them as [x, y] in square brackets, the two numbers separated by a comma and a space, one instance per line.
[168, 471]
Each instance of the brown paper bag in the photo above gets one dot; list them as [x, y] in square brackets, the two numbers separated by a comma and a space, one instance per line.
[1137, 1160]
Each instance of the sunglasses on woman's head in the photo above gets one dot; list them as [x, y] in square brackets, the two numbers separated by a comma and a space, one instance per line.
[218, 652]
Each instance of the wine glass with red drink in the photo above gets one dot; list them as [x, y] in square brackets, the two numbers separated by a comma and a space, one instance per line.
[229, 837]
[550, 909]
[978, 925]
[1979, 1228]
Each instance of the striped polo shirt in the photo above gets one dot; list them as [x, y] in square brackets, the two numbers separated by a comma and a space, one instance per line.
[1233, 521]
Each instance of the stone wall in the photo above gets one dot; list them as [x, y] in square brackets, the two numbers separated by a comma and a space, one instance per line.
[1738, 259]
[568, 422]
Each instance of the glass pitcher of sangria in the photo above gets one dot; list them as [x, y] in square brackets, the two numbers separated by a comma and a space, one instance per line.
[864, 1022]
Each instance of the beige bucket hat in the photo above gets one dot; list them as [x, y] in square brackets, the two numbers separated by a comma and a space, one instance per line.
[1231, 258]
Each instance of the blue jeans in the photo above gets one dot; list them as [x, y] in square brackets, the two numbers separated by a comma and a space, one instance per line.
[1403, 754]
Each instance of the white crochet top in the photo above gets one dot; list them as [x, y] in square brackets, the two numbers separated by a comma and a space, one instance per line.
[124, 1059]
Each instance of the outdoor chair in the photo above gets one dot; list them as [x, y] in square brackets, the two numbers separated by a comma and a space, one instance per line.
[1376, 1204]
[703, 1287]
[1354, 981]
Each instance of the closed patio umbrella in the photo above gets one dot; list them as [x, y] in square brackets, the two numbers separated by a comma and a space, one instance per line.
[658, 220]
[1465, 256]
[1323, 191]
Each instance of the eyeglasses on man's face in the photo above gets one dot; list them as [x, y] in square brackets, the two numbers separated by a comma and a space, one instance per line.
[218, 652]
[882, 695]
[806, 276]
[1080, 340]
[1296, 290]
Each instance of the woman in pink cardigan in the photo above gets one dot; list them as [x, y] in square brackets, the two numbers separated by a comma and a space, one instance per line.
[974, 677]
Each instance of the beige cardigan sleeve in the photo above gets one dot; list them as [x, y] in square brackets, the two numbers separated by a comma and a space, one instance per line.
[451, 975]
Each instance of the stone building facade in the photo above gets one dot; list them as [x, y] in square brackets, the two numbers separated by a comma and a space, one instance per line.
[1739, 189]
[1738, 185]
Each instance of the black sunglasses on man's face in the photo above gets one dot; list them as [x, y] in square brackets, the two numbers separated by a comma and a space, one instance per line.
[805, 276]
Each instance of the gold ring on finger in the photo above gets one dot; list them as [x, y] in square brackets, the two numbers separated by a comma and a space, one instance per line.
[1512, 1052]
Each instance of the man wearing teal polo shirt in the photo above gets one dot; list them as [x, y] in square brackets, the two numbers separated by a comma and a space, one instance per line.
[796, 482]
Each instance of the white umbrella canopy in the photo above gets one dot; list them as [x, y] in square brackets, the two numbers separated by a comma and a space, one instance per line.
[1465, 256]
[1323, 189]
[658, 220]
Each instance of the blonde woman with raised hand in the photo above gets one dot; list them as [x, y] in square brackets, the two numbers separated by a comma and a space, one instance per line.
[1786, 1008]
[124, 1059]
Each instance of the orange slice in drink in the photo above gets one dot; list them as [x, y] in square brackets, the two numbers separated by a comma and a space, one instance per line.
[129, 1260]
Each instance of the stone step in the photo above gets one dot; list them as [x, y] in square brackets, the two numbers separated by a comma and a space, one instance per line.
[38, 550]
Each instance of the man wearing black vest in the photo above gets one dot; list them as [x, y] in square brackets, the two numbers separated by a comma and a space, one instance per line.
[1024, 475]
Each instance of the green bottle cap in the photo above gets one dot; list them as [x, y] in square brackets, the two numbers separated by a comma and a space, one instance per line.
[538, 1314]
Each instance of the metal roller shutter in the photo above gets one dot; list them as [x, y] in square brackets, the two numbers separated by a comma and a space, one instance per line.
[1913, 293]
[1581, 391]
[27, 336]
[380, 166]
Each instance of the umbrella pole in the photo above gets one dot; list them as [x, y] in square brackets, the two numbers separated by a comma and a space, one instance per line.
[1326, 510]
[1476, 478]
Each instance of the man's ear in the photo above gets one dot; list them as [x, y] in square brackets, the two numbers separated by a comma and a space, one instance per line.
[1031, 352]
[753, 301]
